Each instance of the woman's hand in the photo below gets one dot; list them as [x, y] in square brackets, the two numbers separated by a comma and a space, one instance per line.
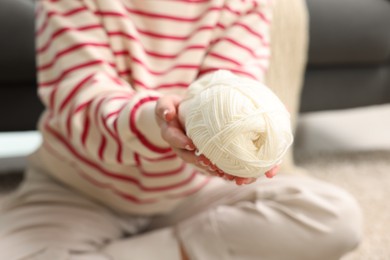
[172, 131]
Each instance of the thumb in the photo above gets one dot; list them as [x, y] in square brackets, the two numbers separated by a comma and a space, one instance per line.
[166, 107]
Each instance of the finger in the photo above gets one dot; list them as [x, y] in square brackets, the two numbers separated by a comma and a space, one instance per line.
[176, 137]
[166, 107]
[244, 180]
[271, 173]
[203, 160]
[229, 177]
[212, 168]
[251, 180]
[187, 156]
[241, 180]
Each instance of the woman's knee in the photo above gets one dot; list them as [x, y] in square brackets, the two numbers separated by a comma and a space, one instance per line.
[346, 227]
[330, 218]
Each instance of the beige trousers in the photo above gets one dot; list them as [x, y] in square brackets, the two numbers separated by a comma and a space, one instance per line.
[285, 218]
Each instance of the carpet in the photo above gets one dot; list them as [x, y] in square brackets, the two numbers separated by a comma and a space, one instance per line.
[366, 175]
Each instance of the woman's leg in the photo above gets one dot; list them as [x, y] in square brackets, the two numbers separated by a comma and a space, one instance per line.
[289, 44]
[44, 220]
[293, 218]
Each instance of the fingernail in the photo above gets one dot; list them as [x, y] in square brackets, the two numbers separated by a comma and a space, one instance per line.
[230, 177]
[189, 147]
[202, 163]
[270, 175]
[211, 168]
[165, 114]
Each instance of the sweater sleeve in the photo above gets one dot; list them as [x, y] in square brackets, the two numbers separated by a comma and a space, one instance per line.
[241, 40]
[87, 102]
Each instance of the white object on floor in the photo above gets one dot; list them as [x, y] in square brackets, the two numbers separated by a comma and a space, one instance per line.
[358, 129]
[15, 146]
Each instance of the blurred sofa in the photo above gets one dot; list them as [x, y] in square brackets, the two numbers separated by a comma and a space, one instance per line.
[349, 59]
[349, 54]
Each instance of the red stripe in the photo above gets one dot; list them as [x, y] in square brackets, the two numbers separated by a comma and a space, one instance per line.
[175, 37]
[137, 160]
[195, 1]
[205, 71]
[262, 16]
[119, 153]
[181, 18]
[247, 28]
[96, 111]
[71, 69]
[68, 51]
[112, 114]
[159, 35]
[123, 34]
[165, 56]
[102, 147]
[82, 106]
[251, 31]
[71, 113]
[222, 57]
[105, 118]
[126, 72]
[158, 73]
[152, 53]
[69, 124]
[63, 30]
[52, 98]
[117, 81]
[104, 185]
[164, 174]
[106, 127]
[110, 13]
[138, 134]
[161, 86]
[106, 100]
[84, 133]
[236, 43]
[259, 13]
[52, 13]
[71, 94]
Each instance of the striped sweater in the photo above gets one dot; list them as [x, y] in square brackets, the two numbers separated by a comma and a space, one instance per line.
[103, 64]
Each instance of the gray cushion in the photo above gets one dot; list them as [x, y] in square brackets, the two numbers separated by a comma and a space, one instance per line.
[349, 31]
[336, 88]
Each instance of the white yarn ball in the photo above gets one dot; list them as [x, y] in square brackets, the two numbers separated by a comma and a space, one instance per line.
[239, 124]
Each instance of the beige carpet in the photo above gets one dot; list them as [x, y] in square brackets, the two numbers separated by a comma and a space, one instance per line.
[366, 175]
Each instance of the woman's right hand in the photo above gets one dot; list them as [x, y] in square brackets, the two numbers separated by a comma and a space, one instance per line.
[167, 116]
[173, 132]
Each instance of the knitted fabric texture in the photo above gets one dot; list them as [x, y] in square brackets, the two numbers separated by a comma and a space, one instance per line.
[239, 124]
